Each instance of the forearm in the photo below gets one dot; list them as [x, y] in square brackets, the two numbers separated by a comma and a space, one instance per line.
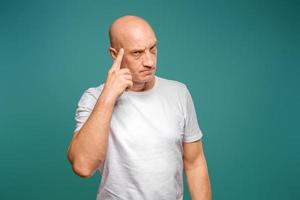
[198, 182]
[88, 147]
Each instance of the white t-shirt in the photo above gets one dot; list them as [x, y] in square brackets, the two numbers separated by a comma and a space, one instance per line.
[144, 152]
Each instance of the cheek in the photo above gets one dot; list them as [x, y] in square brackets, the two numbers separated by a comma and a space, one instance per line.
[135, 65]
[128, 64]
[154, 58]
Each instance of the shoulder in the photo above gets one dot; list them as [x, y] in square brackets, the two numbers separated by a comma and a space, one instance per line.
[170, 84]
[173, 90]
[94, 91]
[90, 95]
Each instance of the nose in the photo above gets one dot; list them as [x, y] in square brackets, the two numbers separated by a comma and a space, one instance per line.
[148, 60]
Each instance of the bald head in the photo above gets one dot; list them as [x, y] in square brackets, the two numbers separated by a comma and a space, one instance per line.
[128, 29]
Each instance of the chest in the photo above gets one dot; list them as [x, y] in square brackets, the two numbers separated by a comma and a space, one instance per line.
[152, 124]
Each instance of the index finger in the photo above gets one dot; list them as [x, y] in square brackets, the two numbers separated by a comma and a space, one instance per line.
[118, 60]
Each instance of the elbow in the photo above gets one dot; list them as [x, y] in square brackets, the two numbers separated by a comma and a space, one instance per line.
[82, 172]
[77, 168]
[80, 168]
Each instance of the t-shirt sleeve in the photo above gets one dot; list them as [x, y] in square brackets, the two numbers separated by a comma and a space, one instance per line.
[192, 131]
[84, 108]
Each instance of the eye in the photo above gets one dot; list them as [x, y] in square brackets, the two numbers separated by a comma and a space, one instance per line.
[136, 53]
[153, 49]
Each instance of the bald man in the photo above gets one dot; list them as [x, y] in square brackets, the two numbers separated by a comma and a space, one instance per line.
[139, 130]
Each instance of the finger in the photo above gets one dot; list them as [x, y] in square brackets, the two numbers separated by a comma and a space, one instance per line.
[118, 60]
[125, 71]
[130, 84]
[127, 76]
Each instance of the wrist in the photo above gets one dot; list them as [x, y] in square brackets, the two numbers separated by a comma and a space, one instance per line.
[107, 98]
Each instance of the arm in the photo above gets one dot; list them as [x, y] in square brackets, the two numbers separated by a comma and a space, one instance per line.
[88, 146]
[196, 171]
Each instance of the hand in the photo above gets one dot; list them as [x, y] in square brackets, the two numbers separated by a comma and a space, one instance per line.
[118, 80]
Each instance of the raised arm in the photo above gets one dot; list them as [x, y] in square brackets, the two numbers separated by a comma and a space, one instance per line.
[87, 149]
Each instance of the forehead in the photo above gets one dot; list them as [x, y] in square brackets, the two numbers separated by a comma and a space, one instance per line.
[138, 39]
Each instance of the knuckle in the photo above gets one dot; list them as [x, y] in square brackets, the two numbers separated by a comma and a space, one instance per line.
[112, 72]
[126, 70]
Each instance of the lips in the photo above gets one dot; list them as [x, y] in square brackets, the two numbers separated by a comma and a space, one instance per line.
[147, 71]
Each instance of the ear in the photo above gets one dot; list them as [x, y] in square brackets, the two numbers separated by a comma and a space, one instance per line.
[113, 52]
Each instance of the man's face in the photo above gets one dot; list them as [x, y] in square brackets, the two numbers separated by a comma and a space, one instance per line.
[140, 54]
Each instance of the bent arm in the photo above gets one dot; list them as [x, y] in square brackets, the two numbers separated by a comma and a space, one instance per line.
[196, 171]
[87, 149]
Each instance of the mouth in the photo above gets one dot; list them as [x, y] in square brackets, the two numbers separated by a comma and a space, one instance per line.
[147, 71]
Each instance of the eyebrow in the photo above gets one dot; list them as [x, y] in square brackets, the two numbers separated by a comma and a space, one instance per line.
[134, 50]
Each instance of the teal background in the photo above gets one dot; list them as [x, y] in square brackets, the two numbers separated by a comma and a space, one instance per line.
[240, 60]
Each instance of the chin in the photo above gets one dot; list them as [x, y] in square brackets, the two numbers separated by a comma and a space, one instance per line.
[145, 79]
[148, 77]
